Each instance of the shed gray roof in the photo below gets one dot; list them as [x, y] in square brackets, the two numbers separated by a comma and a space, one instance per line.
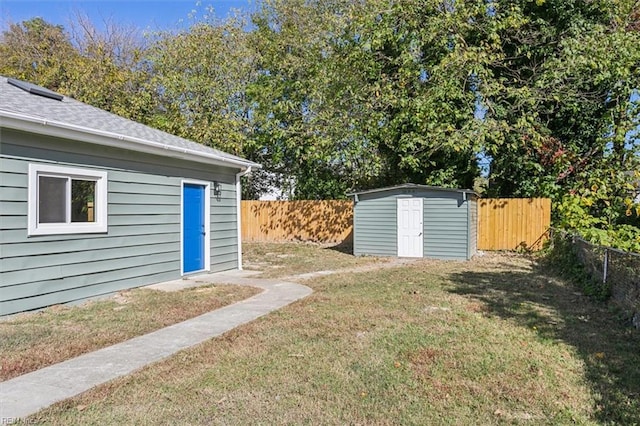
[413, 186]
[19, 107]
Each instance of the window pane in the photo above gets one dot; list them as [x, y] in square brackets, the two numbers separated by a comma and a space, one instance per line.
[83, 194]
[52, 196]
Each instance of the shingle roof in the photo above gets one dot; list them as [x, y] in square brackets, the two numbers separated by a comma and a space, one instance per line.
[413, 186]
[69, 113]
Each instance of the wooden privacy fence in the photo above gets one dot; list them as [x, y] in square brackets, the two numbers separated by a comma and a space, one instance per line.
[328, 221]
[513, 223]
[503, 223]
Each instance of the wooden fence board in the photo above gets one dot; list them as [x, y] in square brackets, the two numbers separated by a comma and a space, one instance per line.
[513, 223]
[321, 221]
[503, 223]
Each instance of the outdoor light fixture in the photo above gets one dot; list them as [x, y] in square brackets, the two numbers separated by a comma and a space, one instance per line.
[216, 189]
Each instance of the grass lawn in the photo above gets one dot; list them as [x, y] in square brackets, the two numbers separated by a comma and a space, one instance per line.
[287, 259]
[33, 340]
[499, 340]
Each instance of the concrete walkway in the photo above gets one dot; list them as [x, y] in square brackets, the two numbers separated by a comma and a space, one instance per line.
[31, 392]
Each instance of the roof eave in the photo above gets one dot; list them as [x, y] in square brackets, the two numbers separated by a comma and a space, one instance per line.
[70, 131]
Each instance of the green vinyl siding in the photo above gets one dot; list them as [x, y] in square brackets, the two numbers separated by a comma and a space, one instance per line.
[12, 208]
[94, 248]
[71, 290]
[142, 245]
[445, 227]
[374, 232]
[47, 259]
[447, 231]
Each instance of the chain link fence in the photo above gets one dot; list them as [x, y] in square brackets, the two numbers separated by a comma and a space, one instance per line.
[613, 272]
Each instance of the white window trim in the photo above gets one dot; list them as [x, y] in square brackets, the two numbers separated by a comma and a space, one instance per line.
[207, 225]
[100, 224]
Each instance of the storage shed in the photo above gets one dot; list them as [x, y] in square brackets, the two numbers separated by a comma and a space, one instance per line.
[92, 203]
[415, 221]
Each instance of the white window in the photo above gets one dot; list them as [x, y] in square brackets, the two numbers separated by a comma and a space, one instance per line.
[65, 200]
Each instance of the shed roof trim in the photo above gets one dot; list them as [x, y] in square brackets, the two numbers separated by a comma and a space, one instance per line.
[67, 117]
[413, 186]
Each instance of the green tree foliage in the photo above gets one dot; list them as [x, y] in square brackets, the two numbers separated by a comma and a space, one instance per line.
[366, 94]
[559, 99]
[423, 84]
[559, 93]
[308, 103]
[110, 70]
[36, 51]
[200, 77]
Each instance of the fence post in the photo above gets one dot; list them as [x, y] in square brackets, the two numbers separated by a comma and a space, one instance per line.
[606, 266]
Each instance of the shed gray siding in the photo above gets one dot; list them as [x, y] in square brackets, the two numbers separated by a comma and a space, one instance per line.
[374, 227]
[142, 245]
[446, 223]
[445, 226]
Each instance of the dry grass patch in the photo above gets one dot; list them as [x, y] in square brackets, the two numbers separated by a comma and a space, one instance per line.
[288, 259]
[33, 340]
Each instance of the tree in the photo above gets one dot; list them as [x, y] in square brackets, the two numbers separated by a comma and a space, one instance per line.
[357, 95]
[308, 105]
[551, 94]
[111, 70]
[200, 77]
[36, 51]
[559, 107]
[422, 80]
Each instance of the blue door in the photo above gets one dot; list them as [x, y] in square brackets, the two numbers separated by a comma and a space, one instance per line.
[193, 229]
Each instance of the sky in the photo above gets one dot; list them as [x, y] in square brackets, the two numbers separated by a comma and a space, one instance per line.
[147, 15]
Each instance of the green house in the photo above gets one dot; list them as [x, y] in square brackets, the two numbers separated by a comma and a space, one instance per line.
[92, 203]
[415, 221]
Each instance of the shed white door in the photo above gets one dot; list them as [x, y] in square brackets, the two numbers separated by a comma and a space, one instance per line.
[410, 229]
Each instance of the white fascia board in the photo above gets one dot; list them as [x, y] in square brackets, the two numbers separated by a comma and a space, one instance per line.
[100, 137]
